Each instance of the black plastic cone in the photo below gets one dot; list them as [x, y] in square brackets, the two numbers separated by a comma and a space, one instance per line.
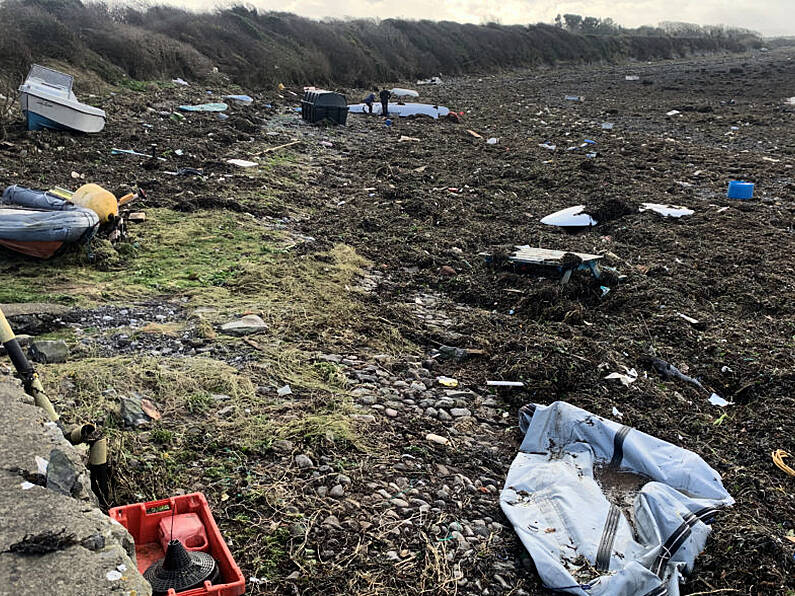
[181, 570]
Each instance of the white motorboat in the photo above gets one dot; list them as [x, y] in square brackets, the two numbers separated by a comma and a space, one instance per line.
[48, 102]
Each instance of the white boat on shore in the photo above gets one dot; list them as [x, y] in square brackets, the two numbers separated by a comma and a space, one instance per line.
[47, 101]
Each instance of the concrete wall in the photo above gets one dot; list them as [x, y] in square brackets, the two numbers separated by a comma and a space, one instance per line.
[102, 559]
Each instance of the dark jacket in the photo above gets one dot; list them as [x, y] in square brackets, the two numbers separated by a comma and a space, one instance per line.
[370, 98]
[385, 95]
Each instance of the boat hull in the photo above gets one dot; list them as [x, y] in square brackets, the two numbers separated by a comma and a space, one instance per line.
[51, 113]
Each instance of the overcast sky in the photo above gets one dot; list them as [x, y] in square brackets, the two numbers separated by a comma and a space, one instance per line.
[770, 17]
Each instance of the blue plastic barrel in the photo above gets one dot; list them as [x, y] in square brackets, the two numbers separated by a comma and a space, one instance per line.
[740, 190]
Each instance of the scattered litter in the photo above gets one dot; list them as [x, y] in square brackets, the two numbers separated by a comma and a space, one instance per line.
[113, 575]
[222, 116]
[282, 391]
[673, 113]
[779, 455]
[589, 142]
[565, 262]
[431, 81]
[575, 98]
[399, 92]
[717, 400]
[279, 147]
[404, 139]
[242, 163]
[474, 134]
[244, 99]
[182, 82]
[27, 485]
[447, 381]
[131, 152]
[626, 379]
[690, 320]
[790, 101]
[669, 371]
[179, 152]
[437, 439]
[725, 369]
[492, 141]
[549, 146]
[573, 470]
[666, 210]
[205, 107]
[617, 413]
[150, 409]
[136, 217]
[504, 384]
[631, 78]
[571, 217]
[326, 143]
[740, 190]
[77, 176]
[607, 126]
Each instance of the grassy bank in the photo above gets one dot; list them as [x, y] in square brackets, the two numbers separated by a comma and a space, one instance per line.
[261, 49]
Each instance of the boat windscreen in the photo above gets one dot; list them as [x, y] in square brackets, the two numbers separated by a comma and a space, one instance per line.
[51, 77]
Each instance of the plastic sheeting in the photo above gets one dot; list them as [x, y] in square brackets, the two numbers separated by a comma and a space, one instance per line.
[572, 486]
[406, 109]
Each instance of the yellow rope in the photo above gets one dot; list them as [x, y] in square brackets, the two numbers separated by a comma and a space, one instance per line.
[779, 455]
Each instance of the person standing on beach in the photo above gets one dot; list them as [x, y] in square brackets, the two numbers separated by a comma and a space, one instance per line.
[384, 96]
[368, 101]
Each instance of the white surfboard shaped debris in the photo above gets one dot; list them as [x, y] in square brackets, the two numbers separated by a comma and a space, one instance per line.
[666, 210]
[403, 110]
[571, 217]
[399, 92]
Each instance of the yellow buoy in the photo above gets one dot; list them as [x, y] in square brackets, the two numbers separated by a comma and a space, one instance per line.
[99, 200]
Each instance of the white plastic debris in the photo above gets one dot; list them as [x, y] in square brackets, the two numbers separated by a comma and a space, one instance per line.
[549, 146]
[242, 163]
[27, 485]
[41, 465]
[717, 400]
[406, 109]
[113, 575]
[569, 217]
[504, 384]
[492, 141]
[690, 320]
[182, 82]
[631, 78]
[556, 498]
[616, 413]
[607, 126]
[399, 92]
[673, 113]
[626, 379]
[282, 391]
[666, 210]
[575, 98]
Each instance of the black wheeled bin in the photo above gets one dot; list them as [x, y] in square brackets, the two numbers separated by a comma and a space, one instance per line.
[317, 106]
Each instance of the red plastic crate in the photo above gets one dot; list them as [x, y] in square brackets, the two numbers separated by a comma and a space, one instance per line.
[141, 521]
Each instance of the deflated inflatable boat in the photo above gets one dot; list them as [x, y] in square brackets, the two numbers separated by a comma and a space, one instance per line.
[38, 223]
